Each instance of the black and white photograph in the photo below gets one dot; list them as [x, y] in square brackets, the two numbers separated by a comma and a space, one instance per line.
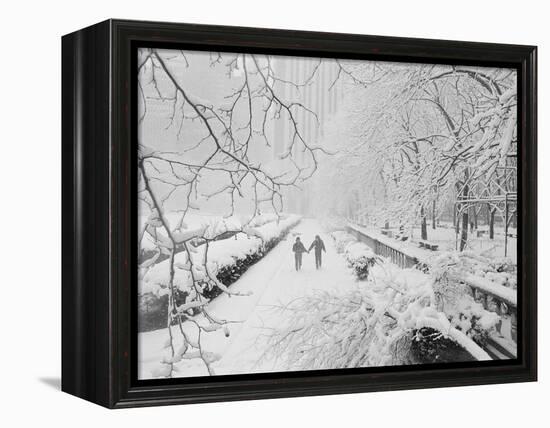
[304, 213]
[275, 214]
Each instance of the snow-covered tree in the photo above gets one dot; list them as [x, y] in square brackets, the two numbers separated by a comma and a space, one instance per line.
[420, 135]
[219, 160]
[396, 317]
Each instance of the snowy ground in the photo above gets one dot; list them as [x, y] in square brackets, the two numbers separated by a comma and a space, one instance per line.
[447, 240]
[265, 289]
[273, 282]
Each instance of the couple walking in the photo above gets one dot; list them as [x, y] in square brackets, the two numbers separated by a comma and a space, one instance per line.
[299, 249]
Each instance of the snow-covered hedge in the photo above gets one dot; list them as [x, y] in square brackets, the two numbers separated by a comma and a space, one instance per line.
[264, 239]
[226, 260]
[358, 255]
[211, 225]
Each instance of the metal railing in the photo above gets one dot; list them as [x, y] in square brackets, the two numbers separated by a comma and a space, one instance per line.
[398, 257]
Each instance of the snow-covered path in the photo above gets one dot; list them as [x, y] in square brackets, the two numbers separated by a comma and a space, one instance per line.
[273, 282]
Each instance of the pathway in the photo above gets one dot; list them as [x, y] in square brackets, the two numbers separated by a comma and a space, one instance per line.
[275, 282]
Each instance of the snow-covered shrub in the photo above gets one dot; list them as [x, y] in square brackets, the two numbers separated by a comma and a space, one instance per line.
[359, 256]
[230, 273]
[269, 234]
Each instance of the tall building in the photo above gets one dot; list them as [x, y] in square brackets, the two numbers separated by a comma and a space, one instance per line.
[317, 85]
[206, 77]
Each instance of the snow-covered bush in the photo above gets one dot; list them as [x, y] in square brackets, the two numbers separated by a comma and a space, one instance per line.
[359, 256]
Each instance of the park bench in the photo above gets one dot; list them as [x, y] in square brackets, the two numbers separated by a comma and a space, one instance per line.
[387, 232]
[428, 245]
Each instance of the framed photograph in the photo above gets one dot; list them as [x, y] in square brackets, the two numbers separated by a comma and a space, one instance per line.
[253, 213]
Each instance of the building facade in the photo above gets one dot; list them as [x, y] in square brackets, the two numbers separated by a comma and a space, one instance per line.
[317, 84]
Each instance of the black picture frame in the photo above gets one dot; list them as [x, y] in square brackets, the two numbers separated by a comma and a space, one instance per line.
[99, 213]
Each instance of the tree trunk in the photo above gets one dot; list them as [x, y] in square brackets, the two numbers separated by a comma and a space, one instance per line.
[492, 224]
[464, 235]
[424, 226]
[456, 224]
[433, 214]
[464, 195]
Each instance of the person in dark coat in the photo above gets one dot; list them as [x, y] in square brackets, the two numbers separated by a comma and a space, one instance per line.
[319, 246]
[298, 249]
